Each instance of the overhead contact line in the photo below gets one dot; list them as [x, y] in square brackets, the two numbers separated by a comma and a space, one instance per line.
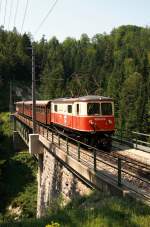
[44, 19]
[16, 12]
[25, 13]
[10, 14]
[0, 6]
[5, 11]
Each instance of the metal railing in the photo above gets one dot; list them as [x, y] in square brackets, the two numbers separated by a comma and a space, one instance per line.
[134, 139]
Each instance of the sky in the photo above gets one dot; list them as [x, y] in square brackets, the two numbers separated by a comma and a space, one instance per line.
[72, 18]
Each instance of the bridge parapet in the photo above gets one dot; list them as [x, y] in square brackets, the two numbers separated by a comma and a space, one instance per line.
[35, 146]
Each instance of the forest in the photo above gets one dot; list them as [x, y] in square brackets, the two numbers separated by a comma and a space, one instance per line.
[115, 65]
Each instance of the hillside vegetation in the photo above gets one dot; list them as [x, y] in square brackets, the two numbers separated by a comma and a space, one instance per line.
[18, 185]
[116, 65]
[96, 210]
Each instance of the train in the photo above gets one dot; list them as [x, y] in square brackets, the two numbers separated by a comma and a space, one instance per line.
[89, 119]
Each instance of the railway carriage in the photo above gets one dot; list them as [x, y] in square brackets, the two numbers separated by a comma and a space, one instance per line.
[90, 118]
[20, 107]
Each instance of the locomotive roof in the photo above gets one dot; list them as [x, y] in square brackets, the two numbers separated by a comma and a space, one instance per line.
[68, 99]
[84, 99]
[38, 102]
[20, 102]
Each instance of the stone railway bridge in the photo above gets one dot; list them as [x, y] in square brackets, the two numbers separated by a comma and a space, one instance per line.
[68, 169]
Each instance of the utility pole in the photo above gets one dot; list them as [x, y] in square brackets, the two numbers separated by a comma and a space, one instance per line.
[33, 91]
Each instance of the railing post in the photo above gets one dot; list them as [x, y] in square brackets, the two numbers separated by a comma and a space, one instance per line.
[94, 160]
[52, 137]
[78, 151]
[136, 142]
[67, 145]
[47, 134]
[59, 141]
[121, 135]
[119, 172]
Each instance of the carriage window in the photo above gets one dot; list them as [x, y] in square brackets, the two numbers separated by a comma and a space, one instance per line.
[93, 108]
[69, 108]
[77, 109]
[106, 108]
[55, 108]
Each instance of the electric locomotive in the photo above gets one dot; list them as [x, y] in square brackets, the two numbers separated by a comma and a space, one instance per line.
[89, 118]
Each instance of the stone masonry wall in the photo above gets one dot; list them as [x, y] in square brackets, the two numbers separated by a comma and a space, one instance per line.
[55, 180]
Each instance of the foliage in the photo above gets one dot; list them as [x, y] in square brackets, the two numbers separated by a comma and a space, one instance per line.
[96, 210]
[5, 124]
[116, 65]
[53, 224]
[18, 185]
[108, 65]
[21, 193]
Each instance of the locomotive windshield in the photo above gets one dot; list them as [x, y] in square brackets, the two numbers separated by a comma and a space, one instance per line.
[99, 109]
[93, 109]
[106, 108]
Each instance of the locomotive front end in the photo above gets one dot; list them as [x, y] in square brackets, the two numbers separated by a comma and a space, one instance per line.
[99, 121]
[101, 116]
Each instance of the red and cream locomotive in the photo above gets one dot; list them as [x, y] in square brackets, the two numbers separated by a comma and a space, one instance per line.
[90, 118]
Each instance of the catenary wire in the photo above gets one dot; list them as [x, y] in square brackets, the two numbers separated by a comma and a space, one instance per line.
[10, 13]
[44, 19]
[25, 13]
[16, 12]
[5, 12]
[0, 6]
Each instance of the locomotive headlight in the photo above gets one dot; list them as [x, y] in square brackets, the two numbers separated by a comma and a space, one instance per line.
[91, 122]
[110, 122]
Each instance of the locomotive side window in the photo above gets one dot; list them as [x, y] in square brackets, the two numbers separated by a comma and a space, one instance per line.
[77, 109]
[93, 109]
[106, 108]
[69, 108]
[55, 108]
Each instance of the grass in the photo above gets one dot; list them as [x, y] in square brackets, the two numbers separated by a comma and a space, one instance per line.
[96, 210]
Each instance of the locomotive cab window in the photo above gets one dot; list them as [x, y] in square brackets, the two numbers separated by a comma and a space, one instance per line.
[106, 108]
[69, 108]
[93, 109]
